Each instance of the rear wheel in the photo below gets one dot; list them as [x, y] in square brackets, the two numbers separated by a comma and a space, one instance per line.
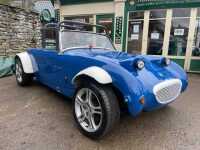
[96, 110]
[22, 78]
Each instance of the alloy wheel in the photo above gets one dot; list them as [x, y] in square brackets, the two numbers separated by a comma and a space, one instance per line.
[18, 72]
[88, 110]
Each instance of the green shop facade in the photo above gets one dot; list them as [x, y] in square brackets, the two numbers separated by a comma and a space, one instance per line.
[169, 28]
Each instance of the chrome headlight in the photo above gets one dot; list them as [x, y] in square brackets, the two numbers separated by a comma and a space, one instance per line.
[140, 64]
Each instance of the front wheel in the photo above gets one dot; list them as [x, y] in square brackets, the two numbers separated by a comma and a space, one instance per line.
[96, 110]
[22, 78]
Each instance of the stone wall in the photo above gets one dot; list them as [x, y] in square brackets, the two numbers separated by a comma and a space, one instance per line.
[19, 30]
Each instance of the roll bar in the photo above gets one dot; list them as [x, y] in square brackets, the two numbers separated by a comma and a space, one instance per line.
[74, 25]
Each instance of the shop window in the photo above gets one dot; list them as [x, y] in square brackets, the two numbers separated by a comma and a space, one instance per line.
[178, 37]
[158, 14]
[136, 15]
[135, 32]
[179, 32]
[107, 21]
[198, 13]
[196, 43]
[85, 19]
[156, 32]
[181, 12]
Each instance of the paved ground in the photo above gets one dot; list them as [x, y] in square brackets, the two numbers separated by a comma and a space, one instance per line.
[36, 118]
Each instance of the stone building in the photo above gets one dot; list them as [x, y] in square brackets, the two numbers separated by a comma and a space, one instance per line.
[19, 30]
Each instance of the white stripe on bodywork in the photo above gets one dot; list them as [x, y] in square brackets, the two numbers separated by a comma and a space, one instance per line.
[97, 73]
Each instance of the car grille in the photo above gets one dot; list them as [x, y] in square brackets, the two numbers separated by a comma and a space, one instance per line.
[167, 91]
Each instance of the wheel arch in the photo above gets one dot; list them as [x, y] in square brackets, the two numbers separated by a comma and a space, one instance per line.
[26, 61]
[126, 86]
[84, 79]
[98, 74]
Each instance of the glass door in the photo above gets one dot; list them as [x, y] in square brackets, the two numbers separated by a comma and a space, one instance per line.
[178, 38]
[195, 55]
[135, 32]
[156, 32]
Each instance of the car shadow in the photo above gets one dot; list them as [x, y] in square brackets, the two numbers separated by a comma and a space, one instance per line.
[145, 125]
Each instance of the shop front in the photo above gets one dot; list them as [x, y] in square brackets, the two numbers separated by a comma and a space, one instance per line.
[150, 27]
[166, 29]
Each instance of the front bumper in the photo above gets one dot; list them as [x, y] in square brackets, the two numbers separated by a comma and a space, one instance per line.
[162, 94]
[156, 96]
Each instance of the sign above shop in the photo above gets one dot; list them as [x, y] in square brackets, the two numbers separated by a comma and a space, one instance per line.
[71, 2]
[161, 4]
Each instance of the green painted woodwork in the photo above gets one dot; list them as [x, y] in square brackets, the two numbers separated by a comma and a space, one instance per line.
[124, 41]
[195, 65]
[162, 4]
[181, 62]
[71, 2]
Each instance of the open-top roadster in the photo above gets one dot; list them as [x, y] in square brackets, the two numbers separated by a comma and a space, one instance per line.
[85, 66]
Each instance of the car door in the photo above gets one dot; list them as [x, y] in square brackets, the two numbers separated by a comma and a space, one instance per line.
[46, 67]
[54, 69]
[45, 58]
[61, 73]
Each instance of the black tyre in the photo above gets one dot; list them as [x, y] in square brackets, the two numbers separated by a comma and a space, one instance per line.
[22, 78]
[96, 110]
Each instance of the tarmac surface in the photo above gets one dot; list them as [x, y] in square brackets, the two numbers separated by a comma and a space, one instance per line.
[37, 118]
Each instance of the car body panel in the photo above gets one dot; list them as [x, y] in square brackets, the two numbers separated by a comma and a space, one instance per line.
[97, 73]
[58, 70]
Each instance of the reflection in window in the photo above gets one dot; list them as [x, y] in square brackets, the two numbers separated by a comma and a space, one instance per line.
[158, 14]
[135, 34]
[178, 37]
[196, 44]
[156, 37]
[136, 15]
[85, 19]
[198, 12]
[108, 23]
[181, 12]
[156, 32]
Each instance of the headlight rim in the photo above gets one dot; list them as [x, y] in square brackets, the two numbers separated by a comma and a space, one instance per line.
[140, 64]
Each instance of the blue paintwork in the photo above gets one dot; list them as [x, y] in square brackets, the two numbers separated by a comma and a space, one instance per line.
[133, 83]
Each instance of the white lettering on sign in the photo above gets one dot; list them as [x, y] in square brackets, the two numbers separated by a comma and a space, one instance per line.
[179, 32]
[136, 28]
[155, 36]
[134, 36]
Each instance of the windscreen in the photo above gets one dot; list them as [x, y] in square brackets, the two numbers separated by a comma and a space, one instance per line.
[74, 39]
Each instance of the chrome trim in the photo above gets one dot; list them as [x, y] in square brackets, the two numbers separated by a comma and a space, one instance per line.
[167, 91]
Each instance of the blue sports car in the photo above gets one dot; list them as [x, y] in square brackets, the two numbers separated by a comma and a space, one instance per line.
[85, 66]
